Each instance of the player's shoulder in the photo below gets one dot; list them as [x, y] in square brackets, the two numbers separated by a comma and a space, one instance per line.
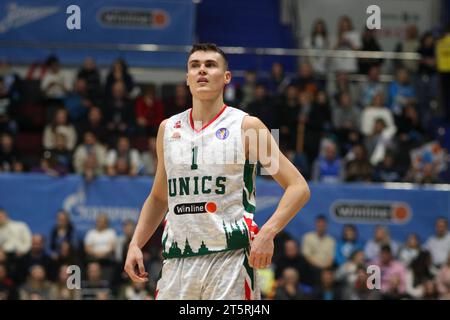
[252, 122]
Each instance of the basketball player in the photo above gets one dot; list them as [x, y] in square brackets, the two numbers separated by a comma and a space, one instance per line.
[204, 189]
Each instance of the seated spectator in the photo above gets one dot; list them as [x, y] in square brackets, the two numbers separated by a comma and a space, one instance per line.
[100, 243]
[328, 168]
[343, 84]
[59, 289]
[149, 158]
[8, 290]
[94, 282]
[94, 124]
[66, 255]
[359, 289]
[135, 291]
[375, 111]
[409, 125]
[401, 92]
[123, 241]
[49, 165]
[318, 247]
[358, 167]
[369, 43]
[290, 287]
[278, 80]
[59, 124]
[36, 256]
[263, 107]
[91, 151]
[78, 102]
[90, 74]
[346, 39]
[15, 236]
[380, 238]
[443, 280]
[61, 156]
[328, 288]
[378, 142]
[119, 73]
[36, 287]
[439, 244]
[149, 112]
[346, 115]
[179, 102]
[289, 113]
[118, 110]
[305, 80]
[387, 170]
[62, 231]
[9, 155]
[393, 274]
[54, 83]
[410, 250]
[370, 88]
[348, 244]
[123, 160]
[347, 273]
[419, 272]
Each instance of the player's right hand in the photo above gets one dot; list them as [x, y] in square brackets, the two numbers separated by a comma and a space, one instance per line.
[134, 264]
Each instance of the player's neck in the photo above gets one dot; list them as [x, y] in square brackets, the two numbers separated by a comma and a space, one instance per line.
[205, 110]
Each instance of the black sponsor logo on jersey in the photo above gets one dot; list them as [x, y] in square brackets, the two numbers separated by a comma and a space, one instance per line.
[194, 208]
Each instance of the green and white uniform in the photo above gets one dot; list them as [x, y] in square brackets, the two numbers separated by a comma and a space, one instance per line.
[211, 198]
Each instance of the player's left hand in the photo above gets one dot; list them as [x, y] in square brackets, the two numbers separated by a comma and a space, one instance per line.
[261, 251]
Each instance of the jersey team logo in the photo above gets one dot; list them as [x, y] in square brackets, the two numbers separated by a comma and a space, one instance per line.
[176, 135]
[222, 133]
[177, 124]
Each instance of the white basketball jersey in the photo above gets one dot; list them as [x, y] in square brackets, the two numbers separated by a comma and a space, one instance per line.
[211, 186]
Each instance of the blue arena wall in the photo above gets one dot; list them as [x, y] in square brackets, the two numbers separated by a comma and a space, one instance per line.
[35, 199]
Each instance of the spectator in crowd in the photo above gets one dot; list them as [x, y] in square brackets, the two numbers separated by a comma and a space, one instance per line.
[290, 287]
[318, 40]
[381, 238]
[7, 109]
[393, 274]
[89, 151]
[409, 126]
[90, 74]
[60, 154]
[8, 289]
[264, 108]
[410, 250]
[135, 291]
[409, 44]
[419, 272]
[443, 280]
[123, 160]
[347, 39]
[278, 81]
[118, 110]
[94, 283]
[378, 142]
[375, 111]
[328, 167]
[318, 247]
[37, 287]
[59, 124]
[359, 289]
[439, 244]
[149, 159]
[63, 230]
[8, 153]
[346, 116]
[370, 88]
[66, 255]
[369, 43]
[292, 258]
[328, 288]
[179, 102]
[119, 73]
[358, 167]
[95, 124]
[78, 102]
[430, 290]
[15, 236]
[347, 273]
[124, 240]
[289, 115]
[59, 289]
[100, 242]
[401, 92]
[246, 93]
[343, 84]
[149, 112]
[348, 244]
[306, 80]
[36, 256]
[54, 83]
[387, 170]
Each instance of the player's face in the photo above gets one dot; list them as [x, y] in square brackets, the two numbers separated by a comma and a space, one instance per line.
[207, 74]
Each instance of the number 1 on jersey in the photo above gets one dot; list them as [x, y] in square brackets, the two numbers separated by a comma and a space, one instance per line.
[194, 165]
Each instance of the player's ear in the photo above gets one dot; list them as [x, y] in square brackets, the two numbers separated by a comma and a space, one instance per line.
[187, 80]
[227, 77]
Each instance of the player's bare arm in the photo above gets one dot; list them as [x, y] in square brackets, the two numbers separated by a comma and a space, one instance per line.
[296, 190]
[152, 213]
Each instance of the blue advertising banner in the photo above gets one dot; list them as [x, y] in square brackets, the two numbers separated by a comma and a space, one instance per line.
[108, 22]
[35, 199]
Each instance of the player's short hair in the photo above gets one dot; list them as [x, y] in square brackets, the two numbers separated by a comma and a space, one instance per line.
[209, 47]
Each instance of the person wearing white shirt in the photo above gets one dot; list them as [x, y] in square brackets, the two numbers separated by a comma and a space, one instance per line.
[123, 160]
[15, 236]
[439, 244]
[100, 243]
